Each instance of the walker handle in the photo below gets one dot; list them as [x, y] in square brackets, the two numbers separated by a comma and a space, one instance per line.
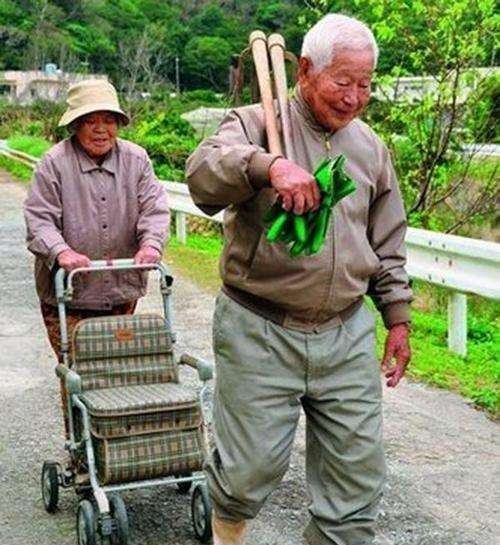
[66, 294]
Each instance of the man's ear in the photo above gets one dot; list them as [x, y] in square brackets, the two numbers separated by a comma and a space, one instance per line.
[305, 66]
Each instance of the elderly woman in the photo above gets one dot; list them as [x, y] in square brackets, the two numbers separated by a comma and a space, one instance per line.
[93, 196]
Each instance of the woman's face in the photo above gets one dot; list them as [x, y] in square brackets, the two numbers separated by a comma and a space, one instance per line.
[96, 132]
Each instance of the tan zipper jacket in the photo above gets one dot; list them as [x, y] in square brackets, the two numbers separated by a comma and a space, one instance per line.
[364, 250]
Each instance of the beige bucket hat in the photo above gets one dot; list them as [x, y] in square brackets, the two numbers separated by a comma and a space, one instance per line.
[93, 95]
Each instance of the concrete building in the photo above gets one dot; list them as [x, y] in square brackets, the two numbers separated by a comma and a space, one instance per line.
[49, 84]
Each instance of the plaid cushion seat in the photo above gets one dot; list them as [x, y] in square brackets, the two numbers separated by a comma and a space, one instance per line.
[123, 350]
[135, 410]
[149, 456]
[143, 399]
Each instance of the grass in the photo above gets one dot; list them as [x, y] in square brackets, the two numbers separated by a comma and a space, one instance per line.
[197, 260]
[481, 169]
[476, 377]
[17, 169]
[32, 145]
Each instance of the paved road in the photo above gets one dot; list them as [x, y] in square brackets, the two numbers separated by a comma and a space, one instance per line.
[443, 455]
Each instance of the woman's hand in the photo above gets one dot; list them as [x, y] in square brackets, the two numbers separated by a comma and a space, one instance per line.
[147, 254]
[69, 260]
[397, 346]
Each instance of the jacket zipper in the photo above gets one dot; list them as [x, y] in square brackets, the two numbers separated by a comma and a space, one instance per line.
[328, 146]
[329, 293]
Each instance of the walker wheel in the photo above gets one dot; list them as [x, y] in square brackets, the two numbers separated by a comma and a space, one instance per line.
[201, 513]
[118, 511]
[86, 526]
[50, 486]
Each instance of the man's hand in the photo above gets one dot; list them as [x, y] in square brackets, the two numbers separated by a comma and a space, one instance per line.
[295, 186]
[397, 346]
[69, 260]
[147, 254]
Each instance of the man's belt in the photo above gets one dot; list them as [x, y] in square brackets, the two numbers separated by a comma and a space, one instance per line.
[270, 311]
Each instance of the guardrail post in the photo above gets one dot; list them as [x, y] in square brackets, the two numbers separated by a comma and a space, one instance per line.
[457, 323]
[180, 227]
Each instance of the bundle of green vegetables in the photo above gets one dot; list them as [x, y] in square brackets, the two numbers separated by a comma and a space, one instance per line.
[307, 232]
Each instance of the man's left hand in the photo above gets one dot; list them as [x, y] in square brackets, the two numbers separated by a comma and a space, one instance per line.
[147, 254]
[397, 346]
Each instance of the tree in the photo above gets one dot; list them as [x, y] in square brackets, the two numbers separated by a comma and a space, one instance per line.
[206, 62]
[45, 39]
[13, 39]
[141, 61]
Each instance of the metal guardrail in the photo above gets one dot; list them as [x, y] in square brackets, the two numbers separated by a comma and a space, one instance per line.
[463, 265]
[481, 150]
[181, 203]
[458, 263]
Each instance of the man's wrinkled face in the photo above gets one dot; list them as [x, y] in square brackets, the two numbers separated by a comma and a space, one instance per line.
[340, 92]
[96, 132]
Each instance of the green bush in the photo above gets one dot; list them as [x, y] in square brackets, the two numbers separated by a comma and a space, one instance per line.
[206, 61]
[206, 96]
[168, 139]
[482, 114]
[38, 119]
[32, 145]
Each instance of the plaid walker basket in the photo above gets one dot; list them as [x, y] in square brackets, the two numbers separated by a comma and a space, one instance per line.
[131, 423]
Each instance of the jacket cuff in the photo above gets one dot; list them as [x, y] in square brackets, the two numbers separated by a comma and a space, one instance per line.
[55, 251]
[395, 313]
[258, 168]
[153, 243]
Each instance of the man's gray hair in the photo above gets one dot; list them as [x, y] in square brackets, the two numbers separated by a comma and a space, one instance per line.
[335, 32]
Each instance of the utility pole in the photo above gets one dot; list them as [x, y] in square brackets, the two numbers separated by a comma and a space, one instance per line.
[177, 76]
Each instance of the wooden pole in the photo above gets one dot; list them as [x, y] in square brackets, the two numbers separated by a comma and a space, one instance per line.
[258, 44]
[277, 50]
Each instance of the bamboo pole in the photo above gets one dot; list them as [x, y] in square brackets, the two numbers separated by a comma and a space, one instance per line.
[277, 50]
[258, 44]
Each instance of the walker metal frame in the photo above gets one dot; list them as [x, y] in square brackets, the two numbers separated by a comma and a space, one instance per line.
[107, 526]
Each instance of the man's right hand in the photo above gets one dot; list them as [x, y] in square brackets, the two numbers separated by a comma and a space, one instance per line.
[295, 186]
[69, 260]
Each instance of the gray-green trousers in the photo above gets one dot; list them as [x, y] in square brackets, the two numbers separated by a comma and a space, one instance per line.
[265, 373]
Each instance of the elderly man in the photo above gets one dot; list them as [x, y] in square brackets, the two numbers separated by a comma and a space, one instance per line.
[93, 196]
[292, 332]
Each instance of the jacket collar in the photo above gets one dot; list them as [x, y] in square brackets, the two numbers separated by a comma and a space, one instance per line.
[305, 112]
[88, 165]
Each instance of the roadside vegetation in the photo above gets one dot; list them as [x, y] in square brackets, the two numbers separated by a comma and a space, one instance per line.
[32, 145]
[156, 125]
[17, 169]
